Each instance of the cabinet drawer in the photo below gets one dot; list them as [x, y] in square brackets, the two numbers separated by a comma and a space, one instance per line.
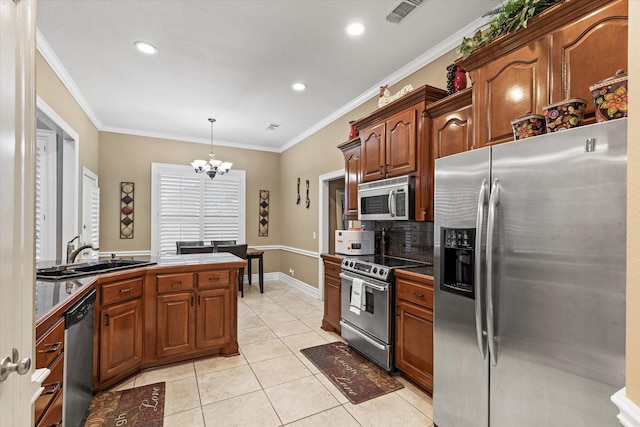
[414, 292]
[53, 416]
[121, 291]
[50, 345]
[213, 278]
[331, 269]
[51, 385]
[174, 282]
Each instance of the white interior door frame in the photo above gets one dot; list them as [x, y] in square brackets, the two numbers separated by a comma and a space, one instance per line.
[323, 220]
[71, 221]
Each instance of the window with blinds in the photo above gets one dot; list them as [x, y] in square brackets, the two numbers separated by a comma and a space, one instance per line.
[190, 206]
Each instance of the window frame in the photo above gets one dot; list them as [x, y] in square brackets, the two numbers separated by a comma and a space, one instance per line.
[158, 169]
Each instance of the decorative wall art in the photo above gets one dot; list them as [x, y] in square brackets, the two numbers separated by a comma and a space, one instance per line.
[126, 210]
[263, 223]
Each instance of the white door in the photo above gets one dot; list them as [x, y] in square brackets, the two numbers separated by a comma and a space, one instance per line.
[17, 146]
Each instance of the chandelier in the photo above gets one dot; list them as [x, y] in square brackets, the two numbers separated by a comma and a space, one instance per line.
[212, 167]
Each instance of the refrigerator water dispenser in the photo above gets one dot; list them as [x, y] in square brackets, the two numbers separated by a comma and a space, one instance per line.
[458, 261]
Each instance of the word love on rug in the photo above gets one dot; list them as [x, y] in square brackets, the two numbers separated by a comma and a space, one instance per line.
[356, 377]
[135, 407]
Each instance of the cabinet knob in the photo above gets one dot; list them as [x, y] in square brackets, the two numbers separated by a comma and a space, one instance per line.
[381, 170]
[418, 295]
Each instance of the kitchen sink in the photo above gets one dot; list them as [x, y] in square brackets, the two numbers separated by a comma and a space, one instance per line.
[85, 269]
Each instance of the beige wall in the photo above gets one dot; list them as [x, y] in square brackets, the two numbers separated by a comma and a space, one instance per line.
[129, 157]
[633, 209]
[55, 94]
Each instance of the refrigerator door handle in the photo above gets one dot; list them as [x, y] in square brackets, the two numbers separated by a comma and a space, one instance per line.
[482, 201]
[494, 200]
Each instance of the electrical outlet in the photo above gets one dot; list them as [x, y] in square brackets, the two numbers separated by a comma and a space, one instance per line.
[291, 273]
[314, 235]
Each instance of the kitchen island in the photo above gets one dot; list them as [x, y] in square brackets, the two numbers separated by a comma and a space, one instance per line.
[180, 308]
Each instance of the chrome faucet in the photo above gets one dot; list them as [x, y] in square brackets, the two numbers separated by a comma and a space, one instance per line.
[72, 256]
[70, 247]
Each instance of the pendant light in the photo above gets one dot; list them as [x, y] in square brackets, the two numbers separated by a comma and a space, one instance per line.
[212, 167]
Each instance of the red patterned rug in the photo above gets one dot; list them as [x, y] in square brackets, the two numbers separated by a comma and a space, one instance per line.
[135, 407]
[357, 378]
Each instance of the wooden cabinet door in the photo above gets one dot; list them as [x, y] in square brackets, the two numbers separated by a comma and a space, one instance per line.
[400, 151]
[175, 323]
[589, 50]
[213, 317]
[120, 339]
[352, 179]
[332, 310]
[508, 87]
[414, 342]
[373, 152]
[452, 133]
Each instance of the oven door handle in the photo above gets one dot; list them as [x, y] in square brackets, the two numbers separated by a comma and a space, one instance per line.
[365, 283]
[364, 337]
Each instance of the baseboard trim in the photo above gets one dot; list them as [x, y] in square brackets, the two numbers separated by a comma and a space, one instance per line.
[300, 285]
[629, 415]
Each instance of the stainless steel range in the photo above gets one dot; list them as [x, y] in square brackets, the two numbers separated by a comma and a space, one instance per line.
[367, 295]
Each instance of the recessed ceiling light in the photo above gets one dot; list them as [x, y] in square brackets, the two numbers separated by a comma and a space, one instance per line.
[355, 29]
[146, 48]
[299, 86]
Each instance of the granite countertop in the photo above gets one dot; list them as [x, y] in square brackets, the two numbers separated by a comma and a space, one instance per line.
[50, 294]
[426, 270]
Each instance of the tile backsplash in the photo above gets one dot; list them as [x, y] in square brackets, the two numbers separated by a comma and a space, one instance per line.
[405, 239]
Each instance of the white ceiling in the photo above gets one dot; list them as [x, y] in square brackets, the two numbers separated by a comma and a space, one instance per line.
[236, 61]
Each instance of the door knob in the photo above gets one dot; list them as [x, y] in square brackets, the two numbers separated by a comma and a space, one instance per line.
[11, 364]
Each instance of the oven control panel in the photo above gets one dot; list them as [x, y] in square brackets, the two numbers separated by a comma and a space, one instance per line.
[366, 268]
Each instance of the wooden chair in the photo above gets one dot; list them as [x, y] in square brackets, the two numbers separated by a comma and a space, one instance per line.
[217, 243]
[241, 252]
[196, 249]
[182, 243]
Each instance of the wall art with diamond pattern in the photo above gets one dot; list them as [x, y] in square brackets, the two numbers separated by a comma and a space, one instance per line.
[263, 222]
[126, 210]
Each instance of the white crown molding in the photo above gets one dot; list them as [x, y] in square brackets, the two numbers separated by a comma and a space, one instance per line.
[629, 415]
[429, 56]
[59, 69]
[187, 139]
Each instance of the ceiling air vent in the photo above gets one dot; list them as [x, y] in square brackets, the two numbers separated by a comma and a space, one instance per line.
[273, 126]
[402, 10]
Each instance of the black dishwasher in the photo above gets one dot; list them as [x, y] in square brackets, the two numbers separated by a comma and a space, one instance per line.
[78, 360]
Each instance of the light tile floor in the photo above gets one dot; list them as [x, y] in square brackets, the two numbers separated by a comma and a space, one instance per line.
[271, 383]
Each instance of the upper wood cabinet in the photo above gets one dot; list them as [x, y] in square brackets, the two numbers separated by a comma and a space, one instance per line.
[352, 173]
[563, 51]
[390, 148]
[395, 141]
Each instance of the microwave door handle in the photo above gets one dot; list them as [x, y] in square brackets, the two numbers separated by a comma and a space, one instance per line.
[391, 202]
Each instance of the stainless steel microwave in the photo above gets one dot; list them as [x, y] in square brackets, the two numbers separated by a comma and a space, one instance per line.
[387, 199]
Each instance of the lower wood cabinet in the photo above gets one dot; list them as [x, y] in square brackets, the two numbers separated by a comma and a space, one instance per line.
[193, 311]
[414, 327]
[50, 354]
[119, 318]
[332, 311]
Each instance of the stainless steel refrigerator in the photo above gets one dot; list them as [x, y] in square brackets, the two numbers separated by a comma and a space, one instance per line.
[530, 257]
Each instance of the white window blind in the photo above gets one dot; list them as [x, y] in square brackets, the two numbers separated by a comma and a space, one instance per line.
[90, 213]
[45, 197]
[190, 206]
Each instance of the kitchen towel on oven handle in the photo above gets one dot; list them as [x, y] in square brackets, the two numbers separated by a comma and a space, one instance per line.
[357, 289]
